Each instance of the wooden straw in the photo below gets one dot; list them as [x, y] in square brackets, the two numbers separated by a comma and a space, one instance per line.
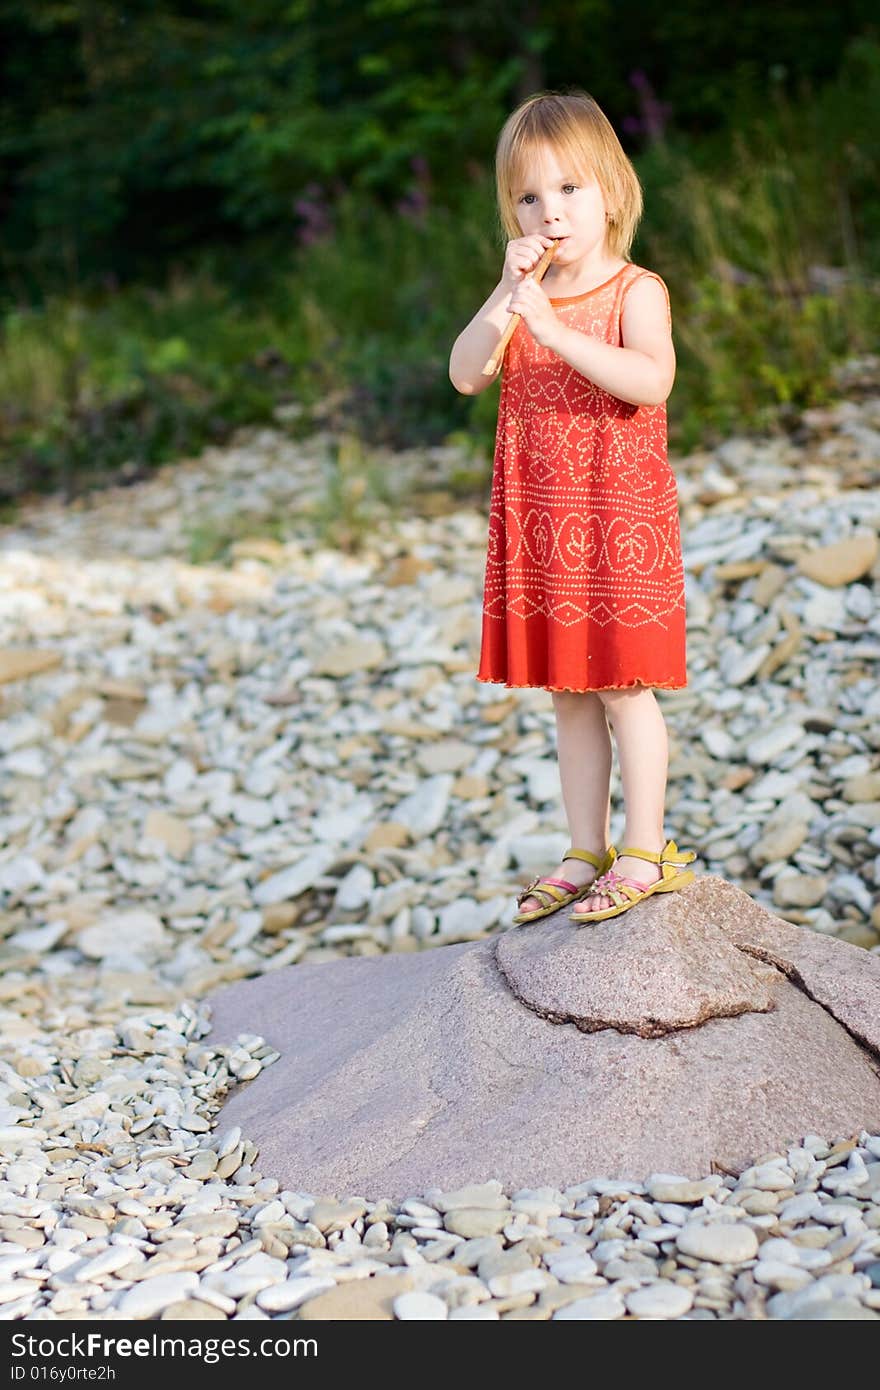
[494, 361]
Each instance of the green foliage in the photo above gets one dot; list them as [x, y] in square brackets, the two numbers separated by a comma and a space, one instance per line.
[133, 134]
[766, 229]
[771, 250]
[209, 543]
[105, 381]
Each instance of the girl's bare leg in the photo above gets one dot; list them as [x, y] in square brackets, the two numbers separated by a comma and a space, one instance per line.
[584, 748]
[643, 753]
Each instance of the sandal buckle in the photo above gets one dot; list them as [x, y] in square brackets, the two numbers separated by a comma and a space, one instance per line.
[527, 890]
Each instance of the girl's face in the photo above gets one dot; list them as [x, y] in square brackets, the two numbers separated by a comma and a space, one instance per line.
[561, 203]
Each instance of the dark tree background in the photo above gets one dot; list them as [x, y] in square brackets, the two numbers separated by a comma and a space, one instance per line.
[132, 134]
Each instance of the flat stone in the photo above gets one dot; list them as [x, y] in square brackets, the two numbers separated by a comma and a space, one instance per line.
[661, 1299]
[281, 1298]
[794, 889]
[768, 745]
[113, 1258]
[424, 809]
[361, 1300]
[192, 1309]
[172, 831]
[420, 1306]
[841, 562]
[777, 1274]
[150, 1296]
[329, 1216]
[137, 930]
[604, 1306]
[721, 1242]
[290, 882]
[447, 755]
[344, 658]
[487, 1196]
[572, 1268]
[738, 664]
[386, 834]
[355, 888]
[18, 662]
[779, 841]
[248, 1276]
[862, 788]
[476, 1221]
[669, 1187]
[832, 1310]
[209, 1223]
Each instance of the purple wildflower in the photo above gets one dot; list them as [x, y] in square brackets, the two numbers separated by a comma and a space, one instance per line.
[416, 201]
[315, 224]
[654, 112]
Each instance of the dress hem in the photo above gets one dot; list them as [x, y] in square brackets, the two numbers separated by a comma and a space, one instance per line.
[585, 689]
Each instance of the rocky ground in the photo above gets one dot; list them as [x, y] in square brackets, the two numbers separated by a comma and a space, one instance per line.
[216, 770]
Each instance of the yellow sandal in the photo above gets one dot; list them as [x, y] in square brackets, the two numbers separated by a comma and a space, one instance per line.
[559, 892]
[626, 892]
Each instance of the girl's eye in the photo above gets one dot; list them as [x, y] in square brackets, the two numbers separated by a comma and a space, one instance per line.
[531, 195]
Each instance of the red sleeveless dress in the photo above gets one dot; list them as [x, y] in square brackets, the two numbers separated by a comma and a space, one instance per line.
[584, 583]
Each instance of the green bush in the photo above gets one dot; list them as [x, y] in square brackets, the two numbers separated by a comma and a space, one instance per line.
[767, 237]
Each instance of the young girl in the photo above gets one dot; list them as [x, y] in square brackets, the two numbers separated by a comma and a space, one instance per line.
[584, 586]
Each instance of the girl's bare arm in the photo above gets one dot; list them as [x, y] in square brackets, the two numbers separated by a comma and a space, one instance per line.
[641, 372]
[475, 344]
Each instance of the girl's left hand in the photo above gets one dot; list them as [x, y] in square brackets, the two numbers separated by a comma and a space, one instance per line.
[538, 314]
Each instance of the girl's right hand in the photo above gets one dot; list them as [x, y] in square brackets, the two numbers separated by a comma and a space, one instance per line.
[521, 257]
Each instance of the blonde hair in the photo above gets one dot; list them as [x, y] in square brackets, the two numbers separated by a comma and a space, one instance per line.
[575, 126]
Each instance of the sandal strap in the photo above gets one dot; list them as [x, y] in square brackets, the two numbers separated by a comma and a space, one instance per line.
[551, 896]
[631, 883]
[673, 855]
[597, 860]
[669, 854]
[547, 895]
[653, 856]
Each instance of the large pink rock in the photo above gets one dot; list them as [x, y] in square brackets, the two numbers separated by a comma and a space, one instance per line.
[648, 973]
[696, 1031]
